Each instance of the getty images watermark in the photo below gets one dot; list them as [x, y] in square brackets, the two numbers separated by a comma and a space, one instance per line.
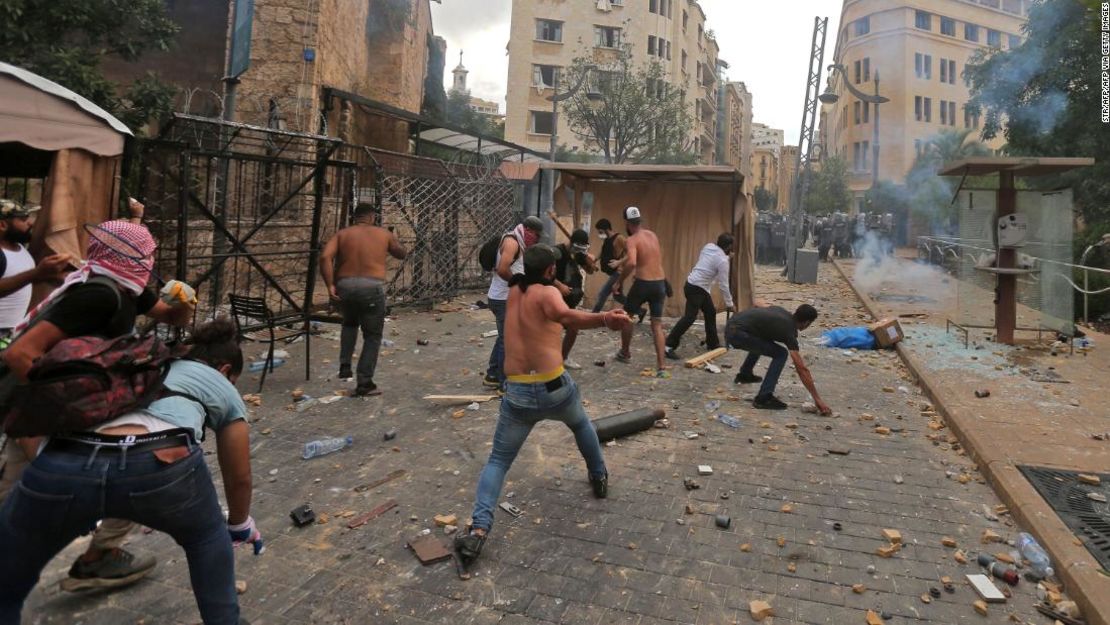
[1105, 49]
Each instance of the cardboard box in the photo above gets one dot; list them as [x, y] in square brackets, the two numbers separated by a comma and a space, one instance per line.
[887, 332]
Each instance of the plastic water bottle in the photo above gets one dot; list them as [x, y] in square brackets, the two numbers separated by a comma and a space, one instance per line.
[326, 446]
[258, 365]
[1039, 561]
[712, 406]
[729, 420]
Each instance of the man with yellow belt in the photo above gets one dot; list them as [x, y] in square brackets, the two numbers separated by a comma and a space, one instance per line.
[537, 387]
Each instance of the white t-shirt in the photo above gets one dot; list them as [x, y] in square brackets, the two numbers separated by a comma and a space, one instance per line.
[498, 287]
[14, 307]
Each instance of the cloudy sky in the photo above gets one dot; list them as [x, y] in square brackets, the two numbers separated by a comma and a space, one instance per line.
[765, 43]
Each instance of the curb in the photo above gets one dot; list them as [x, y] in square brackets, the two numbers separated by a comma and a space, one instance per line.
[1082, 580]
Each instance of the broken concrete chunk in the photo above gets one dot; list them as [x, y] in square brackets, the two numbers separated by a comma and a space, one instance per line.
[980, 607]
[888, 551]
[873, 618]
[1087, 478]
[858, 588]
[925, 598]
[746, 547]
[781, 542]
[990, 536]
[949, 542]
[760, 610]
[960, 557]
[882, 430]
[894, 536]
[792, 567]
[705, 469]
[240, 586]
[786, 508]
[443, 520]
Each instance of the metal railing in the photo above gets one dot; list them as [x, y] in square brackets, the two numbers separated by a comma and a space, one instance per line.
[942, 250]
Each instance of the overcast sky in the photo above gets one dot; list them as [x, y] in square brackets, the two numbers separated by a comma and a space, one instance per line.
[766, 45]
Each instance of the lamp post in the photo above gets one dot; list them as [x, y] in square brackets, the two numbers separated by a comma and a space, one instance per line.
[555, 98]
[828, 97]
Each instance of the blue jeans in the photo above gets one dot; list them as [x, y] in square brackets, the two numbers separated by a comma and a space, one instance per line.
[757, 347]
[522, 407]
[496, 367]
[606, 290]
[64, 493]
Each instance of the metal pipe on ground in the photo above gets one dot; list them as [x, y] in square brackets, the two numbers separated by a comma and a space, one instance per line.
[625, 423]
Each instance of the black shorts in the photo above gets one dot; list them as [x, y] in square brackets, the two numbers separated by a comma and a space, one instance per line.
[651, 292]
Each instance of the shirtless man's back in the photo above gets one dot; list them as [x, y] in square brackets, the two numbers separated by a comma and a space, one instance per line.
[644, 260]
[353, 265]
[537, 387]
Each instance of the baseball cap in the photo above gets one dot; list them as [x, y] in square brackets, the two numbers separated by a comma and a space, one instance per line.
[10, 209]
[631, 214]
[533, 223]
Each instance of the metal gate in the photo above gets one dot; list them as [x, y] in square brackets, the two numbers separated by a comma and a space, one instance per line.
[242, 210]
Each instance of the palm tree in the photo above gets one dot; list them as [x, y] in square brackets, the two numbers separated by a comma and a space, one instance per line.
[931, 195]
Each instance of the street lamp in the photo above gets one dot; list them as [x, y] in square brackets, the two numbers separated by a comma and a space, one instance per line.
[555, 98]
[828, 97]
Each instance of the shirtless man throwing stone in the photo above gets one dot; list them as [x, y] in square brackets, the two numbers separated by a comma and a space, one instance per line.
[537, 386]
[353, 267]
[644, 260]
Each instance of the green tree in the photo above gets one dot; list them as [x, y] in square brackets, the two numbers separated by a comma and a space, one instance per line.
[765, 200]
[66, 41]
[929, 195]
[460, 115]
[828, 188]
[1044, 97]
[628, 112]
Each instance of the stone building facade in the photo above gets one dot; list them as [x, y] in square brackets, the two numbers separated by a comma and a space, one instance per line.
[735, 130]
[918, 52]
[546, 35]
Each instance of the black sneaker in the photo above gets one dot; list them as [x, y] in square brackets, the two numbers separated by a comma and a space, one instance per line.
[769, 402]
[746, 378]
[367, 390]
[345, 372]
[116, 568]
[491, 382]
[600, 486]
[469, 547]
[671, 354]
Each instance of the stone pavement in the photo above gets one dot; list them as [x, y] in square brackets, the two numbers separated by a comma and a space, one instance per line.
[806, 523]
[1047, 406]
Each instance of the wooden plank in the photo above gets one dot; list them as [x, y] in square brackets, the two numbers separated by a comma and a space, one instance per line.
[396, 473]
[460, 399]
[363, 519]
[698, 361]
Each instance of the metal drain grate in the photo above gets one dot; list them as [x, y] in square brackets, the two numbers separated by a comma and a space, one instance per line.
[1087, 518]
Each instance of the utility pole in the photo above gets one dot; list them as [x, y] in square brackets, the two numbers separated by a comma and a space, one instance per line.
[795, 231]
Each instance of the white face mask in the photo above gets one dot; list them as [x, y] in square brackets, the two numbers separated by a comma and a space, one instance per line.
[602, 236]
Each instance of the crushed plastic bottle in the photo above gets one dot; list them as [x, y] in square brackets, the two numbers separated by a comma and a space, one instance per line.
[326, 446]
[258, 365]
[1039, 562]
[387, 343]
[712, 406]
[729, 420]
[305, 403]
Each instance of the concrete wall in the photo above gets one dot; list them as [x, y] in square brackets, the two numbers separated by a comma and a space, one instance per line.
[891, 46]
[195, 63]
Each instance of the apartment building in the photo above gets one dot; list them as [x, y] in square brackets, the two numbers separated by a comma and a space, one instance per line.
[546, 35]
[788, 168]
[734, 130]
[919, 50]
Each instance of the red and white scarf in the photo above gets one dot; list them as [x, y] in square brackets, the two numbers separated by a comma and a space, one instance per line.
[119, 250]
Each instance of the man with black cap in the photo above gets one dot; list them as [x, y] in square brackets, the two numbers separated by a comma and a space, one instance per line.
[510, 262]
[612, 252]
[574, 258]
[759, 331]
[644, 259]
[17, 268]
[537, 388]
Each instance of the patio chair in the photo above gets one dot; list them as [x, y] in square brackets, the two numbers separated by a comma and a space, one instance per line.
[256, 322]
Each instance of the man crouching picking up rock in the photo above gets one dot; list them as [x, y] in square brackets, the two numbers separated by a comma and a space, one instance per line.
[538, 387]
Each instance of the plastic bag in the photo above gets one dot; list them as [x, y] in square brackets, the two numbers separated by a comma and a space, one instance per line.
[847, 338]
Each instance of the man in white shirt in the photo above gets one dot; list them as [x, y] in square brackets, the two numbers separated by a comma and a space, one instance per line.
[17, 268]
[713, 266]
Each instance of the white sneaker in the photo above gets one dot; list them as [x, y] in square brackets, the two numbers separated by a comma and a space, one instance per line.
[570, 364]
